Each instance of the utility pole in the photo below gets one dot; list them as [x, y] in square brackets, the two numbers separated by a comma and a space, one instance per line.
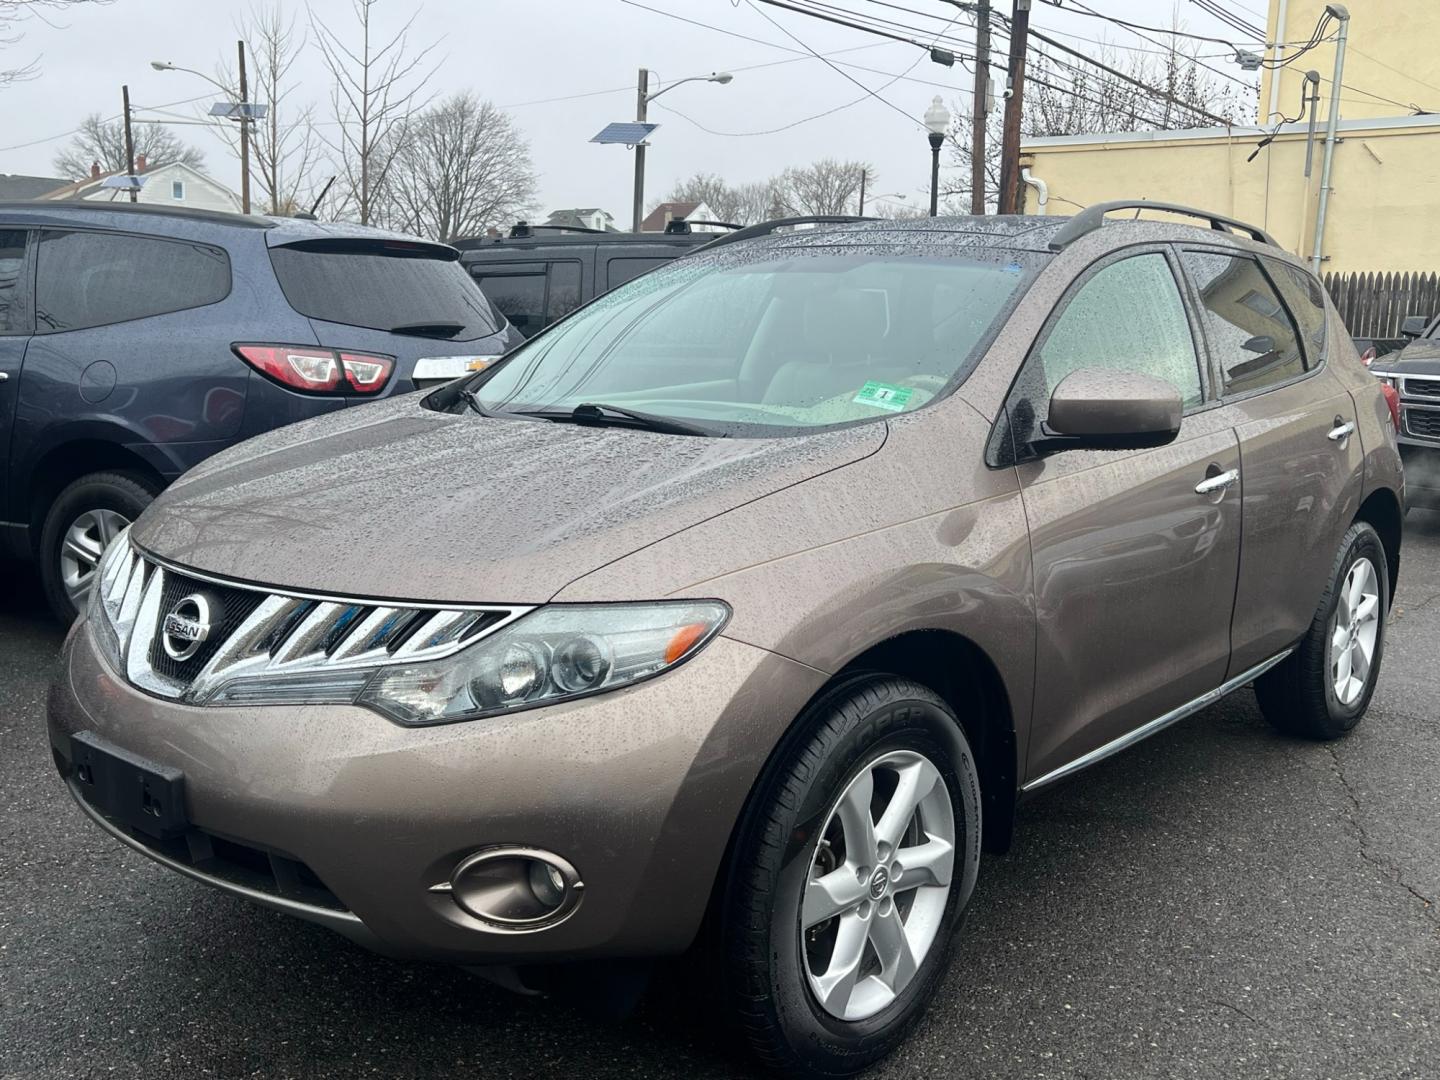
[1014, 104]
[129, 146]
[244, 135]
[982, 101]
[863, 174]
[642, 97]
[1340, 13]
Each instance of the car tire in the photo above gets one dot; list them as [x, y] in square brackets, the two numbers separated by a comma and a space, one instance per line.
[777, 961]
[81, 521]
[1320, 690]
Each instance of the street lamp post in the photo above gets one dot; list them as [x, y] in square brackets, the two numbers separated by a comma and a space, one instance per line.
[643, 97]
[937, 122]
[247, 114]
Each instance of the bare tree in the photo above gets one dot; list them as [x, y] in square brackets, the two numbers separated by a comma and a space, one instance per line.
[824, 187]
[284, 147]
[104, 141]
[463, 165]
[1093, 101]
[376, 88]
[739, 204]
[13, 15]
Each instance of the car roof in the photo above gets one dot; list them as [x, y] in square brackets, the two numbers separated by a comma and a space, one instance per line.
[126, 215]
[1016, 232]
[598, 239]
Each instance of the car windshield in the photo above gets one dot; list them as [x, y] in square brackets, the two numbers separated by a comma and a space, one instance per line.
[771, 341]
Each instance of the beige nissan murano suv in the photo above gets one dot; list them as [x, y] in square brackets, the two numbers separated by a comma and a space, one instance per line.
[733, 614]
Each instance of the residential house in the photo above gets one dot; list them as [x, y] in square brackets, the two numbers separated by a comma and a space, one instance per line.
[24, 188]
[1384, 206]
[586, 218]
[172, 184]
[667, 212]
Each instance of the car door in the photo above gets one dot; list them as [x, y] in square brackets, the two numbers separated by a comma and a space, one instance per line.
[1134, 568]
[1300, 456]
[15, 293]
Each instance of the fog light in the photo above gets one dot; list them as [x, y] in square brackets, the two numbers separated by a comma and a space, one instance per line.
[515, 889]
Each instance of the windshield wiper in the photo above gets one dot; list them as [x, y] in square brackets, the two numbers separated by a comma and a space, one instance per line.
[468, 396]
[438, 328]
[599, 414]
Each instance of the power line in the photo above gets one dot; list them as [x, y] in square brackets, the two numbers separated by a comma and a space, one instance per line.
[104, 120]
[839, 71]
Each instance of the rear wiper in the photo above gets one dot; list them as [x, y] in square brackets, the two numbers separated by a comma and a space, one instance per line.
[436, 329]
[597, 414]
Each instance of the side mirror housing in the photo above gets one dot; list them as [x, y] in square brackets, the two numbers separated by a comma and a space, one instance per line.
[1097, 409]
[1413, 326]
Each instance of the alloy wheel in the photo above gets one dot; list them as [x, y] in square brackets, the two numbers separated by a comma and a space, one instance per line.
[1357, 631]
[84, 544]
[878, 886]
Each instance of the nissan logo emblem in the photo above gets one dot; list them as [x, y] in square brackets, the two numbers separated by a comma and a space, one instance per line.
[187, 625]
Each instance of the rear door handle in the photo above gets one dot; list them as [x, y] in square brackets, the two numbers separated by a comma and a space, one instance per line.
[4, 376]
[1341, 432]
[1218, 482]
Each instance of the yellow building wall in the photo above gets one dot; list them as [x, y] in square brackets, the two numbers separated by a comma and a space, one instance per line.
[1384, 211]
[1394, 53]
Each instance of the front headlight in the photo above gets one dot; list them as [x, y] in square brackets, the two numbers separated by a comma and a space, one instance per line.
[107, 593]
[553, 654]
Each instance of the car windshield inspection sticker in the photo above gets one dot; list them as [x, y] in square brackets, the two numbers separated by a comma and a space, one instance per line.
[884, 396]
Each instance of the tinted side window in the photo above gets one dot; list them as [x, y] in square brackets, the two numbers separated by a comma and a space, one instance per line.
[564, 290]
[519, 297]
[1250, 333]
[1306, 301]
[88, 279]
[1128, 317]
[620, 271]
[12, 273]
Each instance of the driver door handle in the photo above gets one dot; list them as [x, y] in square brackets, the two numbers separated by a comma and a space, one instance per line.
[1341, 432]
[4, 376]
[1218, 482]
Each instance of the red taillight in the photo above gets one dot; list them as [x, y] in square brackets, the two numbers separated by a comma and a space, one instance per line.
[319, 371]
[365, 372]
[1369, 356]
[1392, 398]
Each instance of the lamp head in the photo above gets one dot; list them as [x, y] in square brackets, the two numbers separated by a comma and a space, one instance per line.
[160, 65]
[722, 77]
[937, 117]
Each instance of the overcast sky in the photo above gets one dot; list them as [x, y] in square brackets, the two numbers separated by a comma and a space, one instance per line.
[518, 53]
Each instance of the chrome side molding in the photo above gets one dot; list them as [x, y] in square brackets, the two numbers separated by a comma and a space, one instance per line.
[1160, 723]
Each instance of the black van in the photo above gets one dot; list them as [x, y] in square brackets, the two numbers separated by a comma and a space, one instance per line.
[539, 273]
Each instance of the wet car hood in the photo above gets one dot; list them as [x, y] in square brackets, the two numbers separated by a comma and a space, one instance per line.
[1417, 358]
[392, 500]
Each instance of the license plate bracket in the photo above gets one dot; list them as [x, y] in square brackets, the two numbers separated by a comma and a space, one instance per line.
[129, 788]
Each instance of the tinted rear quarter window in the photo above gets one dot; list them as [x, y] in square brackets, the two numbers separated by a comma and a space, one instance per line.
[12, 273]
[619, 271]
[382, 285]
[1306, 300]
[1250, 333]
[87, 279]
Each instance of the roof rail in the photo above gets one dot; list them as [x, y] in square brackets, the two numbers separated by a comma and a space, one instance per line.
[765, 228]
[682, 226]
[522, 229]
[1093, 217]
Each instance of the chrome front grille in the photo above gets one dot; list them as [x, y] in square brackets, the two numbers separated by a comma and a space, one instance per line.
[1415, 387]
[256, 633]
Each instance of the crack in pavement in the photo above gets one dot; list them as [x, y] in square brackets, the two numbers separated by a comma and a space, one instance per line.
[1393, 872]
[1234, 1008]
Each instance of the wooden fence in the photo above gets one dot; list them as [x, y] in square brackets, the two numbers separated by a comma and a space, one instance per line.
[1374, 305]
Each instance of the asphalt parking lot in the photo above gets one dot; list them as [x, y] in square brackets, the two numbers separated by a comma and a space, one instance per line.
[1220, 902]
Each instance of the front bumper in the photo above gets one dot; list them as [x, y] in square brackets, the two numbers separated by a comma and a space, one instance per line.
[356, 818]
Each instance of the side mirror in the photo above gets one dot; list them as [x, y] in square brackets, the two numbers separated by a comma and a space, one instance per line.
[1413, 326]
[1261, 343]
[1096, 409]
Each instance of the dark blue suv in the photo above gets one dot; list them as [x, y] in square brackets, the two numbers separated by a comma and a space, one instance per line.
[136, 341]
